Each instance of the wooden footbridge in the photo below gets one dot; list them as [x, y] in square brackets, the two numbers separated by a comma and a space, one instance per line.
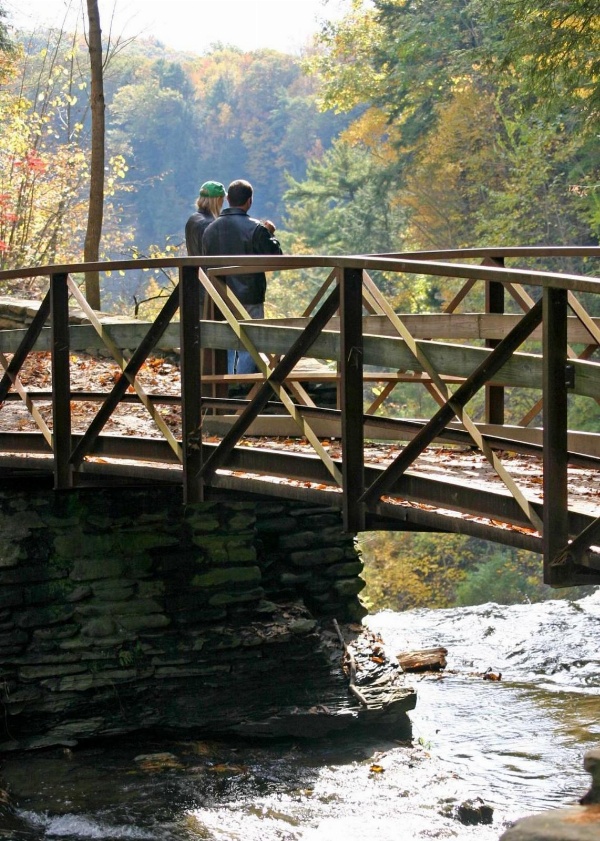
[510, 342]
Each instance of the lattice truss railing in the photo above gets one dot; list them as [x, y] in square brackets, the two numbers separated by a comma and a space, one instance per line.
[452, 405]
[290, 393]
[274, 370]
[130, 369]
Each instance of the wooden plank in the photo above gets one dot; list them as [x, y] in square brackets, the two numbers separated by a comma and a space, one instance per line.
[398, 517]
[555, 530]
[523, 369]
[494, 303]
[61, 385]
[191, 385]
[454, 360]
[404, 264]
[584, 447]
[512, 251]
[351, 369]
[109, 446]
[452, 326]
[439, 326]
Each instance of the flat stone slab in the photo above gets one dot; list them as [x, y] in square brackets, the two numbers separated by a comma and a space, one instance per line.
[578, 823]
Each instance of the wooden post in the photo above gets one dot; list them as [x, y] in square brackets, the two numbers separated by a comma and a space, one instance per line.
[191, 386]
[61, 381]
[494, 303]
[556, 532]
[214, 360]
[351, 381]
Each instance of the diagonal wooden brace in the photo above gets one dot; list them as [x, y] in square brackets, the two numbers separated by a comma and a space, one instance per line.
[482, 374]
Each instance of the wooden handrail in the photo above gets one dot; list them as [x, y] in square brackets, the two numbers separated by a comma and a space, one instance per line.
[409, 263]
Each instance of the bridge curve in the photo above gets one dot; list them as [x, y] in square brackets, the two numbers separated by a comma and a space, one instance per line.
[534, 487]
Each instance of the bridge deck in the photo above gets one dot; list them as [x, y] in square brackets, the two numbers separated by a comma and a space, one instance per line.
[285, 465]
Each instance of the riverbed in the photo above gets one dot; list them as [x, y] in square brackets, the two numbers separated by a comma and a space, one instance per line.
[515, 744]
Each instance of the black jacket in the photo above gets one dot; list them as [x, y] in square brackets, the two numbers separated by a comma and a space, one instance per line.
[234, 232]
[194, 228]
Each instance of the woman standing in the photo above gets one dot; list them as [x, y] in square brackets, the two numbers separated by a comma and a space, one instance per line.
[209, 204]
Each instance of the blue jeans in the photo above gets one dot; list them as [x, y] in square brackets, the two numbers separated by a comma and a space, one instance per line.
[240, 361]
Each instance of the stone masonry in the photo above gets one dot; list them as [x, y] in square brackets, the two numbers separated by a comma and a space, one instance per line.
[122, 609]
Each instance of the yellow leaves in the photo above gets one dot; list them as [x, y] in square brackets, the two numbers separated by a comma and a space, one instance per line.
[376, 769]
[344, 63]
[457, 157]
[118, 166]
[227, 769]
[372, 130]
[155, 762]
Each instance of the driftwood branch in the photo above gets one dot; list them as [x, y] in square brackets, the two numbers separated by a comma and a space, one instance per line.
[352, 665]
[425, 660]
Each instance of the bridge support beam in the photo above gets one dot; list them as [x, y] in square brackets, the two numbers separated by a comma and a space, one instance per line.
[351, 358]
[191, 386]
[61, 382]
[494, 303]
[556, 530]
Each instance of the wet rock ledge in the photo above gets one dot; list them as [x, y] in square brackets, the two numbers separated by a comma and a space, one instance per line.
[122, 610]
[576, 823]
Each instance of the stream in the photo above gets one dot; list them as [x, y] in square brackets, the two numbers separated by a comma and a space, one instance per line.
[516, 744]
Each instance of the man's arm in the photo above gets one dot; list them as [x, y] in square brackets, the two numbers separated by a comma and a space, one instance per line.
[263, 241]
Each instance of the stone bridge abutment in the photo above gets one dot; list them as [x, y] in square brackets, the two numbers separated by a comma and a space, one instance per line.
[122, 609]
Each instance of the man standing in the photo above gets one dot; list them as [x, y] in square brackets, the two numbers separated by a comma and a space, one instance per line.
[234, 232]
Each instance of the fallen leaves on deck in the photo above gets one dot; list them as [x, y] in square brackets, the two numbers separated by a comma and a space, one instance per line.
[160, 377]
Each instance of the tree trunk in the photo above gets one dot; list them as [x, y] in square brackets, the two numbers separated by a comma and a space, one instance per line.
[96, 203]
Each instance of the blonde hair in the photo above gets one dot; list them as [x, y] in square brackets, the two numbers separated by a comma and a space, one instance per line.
[211, 204]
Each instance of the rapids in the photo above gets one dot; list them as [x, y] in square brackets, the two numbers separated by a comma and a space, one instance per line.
[517, 744]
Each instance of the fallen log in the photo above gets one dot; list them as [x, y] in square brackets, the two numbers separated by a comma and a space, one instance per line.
[425, 660]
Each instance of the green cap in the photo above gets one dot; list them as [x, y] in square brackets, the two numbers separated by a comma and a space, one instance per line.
[212, 190]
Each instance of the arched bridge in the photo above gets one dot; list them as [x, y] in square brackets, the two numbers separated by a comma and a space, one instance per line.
[498, 370]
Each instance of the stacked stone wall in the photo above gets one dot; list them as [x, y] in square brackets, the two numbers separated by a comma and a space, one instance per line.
[122, 609]
[17, 313]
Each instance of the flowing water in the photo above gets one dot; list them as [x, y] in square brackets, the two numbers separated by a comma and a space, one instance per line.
[516, 743]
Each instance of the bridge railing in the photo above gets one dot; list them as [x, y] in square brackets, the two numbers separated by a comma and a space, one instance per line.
[336, 328]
